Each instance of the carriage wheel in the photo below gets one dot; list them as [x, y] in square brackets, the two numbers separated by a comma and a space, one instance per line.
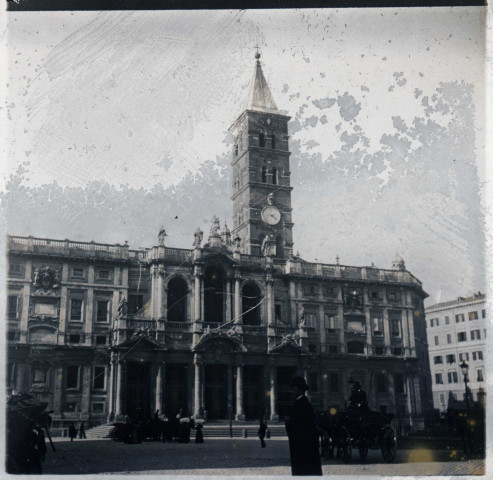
[363, 449]
[389, 445]
[345, 443]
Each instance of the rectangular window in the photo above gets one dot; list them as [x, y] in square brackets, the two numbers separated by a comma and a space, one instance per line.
[449, 338]
[452, 377]
[100, 339]
[438, 378]
[72, 376]
[480, 355]
[438, 359]
[334, 382]
[377, 326]
[447, 320]
[103, 274]
[464, 357]
[397, 351]
[399, 383]
[473, 315]
[475, 335]
[15, 269]
[102, 310]
[75, 309]
[13, 302]
[480, 376]
[98, 378]
[74, 338]
[330, 291]
[437, 341]
[483, 313]
[451, 358]
[459, 318]
[395, 327]
[331, 321]
[378, 350]
[375, 295]
[78, 272]
[461, 337]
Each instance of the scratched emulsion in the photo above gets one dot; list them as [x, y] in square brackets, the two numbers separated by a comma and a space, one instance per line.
[119, 124]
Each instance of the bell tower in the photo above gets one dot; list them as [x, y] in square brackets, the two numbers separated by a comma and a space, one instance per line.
[261, 175]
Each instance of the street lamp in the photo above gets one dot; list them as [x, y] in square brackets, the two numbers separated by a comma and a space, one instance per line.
[465, 369]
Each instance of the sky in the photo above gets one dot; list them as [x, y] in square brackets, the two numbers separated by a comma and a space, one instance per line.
[118, 123]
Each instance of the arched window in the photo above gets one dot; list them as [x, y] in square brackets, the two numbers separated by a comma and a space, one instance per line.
[274, 176]
[213, 295]
[261, 139]
[264, 175]
[177, 300]
[251, 296]
[273, 141]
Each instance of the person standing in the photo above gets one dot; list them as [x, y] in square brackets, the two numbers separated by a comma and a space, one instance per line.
[302, 433]
[199, 436]
[261, 433]
[82, 431]
[72, 432]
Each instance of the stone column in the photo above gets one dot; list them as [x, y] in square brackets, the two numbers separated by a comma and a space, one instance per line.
[386, 330]
[228, 299]
[119, 390]
[198, 308]
[405, 332]
[57, 394]
[159, 387]
[239, 392]
[412, 341]
[292, 298]
[274, 417]
[26, 295]
[111, 391]
[160, 290]
[271, 331]
[237, 316]
[197, 387]
[86, 391]
[369, 346]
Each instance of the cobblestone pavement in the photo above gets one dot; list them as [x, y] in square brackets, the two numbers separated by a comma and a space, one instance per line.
[235, 457]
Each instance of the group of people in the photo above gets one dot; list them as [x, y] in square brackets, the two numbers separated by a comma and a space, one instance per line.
[72, 431]
[162, 428]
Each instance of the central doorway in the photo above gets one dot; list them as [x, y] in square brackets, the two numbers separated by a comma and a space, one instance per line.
[253, 392]
[138, 401]
[216, 391]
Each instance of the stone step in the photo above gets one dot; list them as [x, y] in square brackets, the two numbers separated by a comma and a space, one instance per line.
[209, 431]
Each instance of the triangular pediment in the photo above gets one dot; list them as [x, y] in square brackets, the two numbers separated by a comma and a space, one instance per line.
[143, 342]
[288, 347]
[217, 256]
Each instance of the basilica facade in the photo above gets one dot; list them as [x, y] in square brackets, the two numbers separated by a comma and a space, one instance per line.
[102, 331]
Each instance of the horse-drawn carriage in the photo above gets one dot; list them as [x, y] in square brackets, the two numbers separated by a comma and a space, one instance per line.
[356, 427]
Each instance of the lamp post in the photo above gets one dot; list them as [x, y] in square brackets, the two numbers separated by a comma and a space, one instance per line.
[465, 369]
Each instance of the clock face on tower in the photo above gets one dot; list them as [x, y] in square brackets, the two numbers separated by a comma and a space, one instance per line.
[271, 215]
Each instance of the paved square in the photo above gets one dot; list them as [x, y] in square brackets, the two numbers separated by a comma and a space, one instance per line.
[234, 457]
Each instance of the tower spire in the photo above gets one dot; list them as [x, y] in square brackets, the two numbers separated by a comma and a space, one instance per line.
[259, 97]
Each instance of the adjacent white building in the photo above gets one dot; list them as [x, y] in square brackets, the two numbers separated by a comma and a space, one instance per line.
[456, 332]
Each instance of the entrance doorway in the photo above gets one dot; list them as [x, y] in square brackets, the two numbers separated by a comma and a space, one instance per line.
[176, 389]
[216, 391]
[285, 393]
[138, 399]
[253, 392]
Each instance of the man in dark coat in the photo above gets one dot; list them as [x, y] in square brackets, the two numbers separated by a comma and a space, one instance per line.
[261, 433]
[302, 433]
